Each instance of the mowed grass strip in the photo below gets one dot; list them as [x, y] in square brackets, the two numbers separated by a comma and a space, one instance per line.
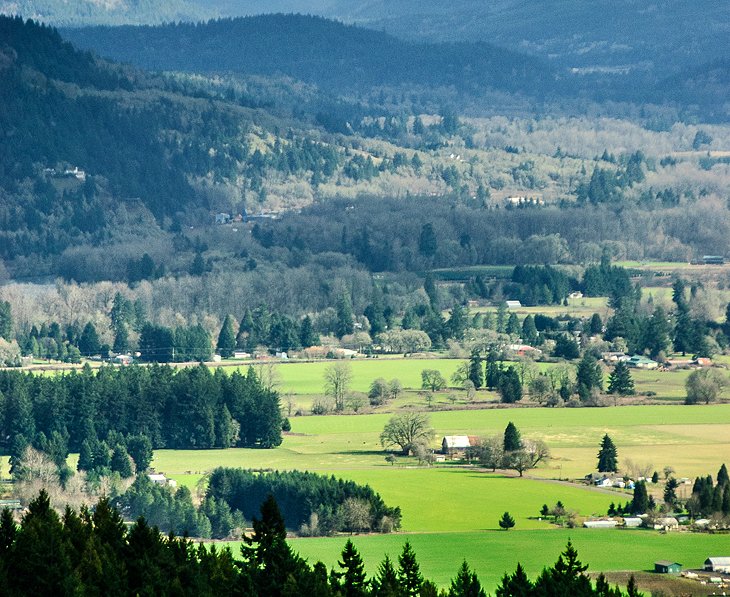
[493, 553]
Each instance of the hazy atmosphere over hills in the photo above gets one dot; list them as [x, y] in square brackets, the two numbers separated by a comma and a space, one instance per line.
[465, 263]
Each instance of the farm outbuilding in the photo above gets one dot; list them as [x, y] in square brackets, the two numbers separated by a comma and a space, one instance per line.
[717, 564]
[459, 446]
[667, 567]
[600, 524]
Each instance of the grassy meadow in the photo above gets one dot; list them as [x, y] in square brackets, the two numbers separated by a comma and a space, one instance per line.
[450, 512]
[493, 553]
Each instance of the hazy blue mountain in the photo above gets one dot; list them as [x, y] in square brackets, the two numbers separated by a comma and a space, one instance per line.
[576, 33]
[97, 12]
[317, 50]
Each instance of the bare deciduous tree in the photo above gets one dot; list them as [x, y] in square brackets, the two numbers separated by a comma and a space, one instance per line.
[337, 380]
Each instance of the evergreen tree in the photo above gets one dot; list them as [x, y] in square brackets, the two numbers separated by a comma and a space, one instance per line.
[657, 334]
[506, 522]
[475, 370]
[631, 589]
[640, 500]
[86, 456]
[509, 386]
[566, 347]
[226, 338]
[620, 380]
[427, 241]
[6, 321]
[385, 583]
[345, 317]
[492, 373]
[529, 331]
[121, 340]
[670, 491]
[121, 462]
[589, 376]
[513, 325]
[722, 476]
[607, 456]
[516, 585]
[409, 572]
[268, 559]
[595, 327]
[140, 449]
[307, 336]
[466, 584]
[457, 323]
[567, 576]
[89, 341]
[512, 439]
[429, 287]
[40, 562]
[353, 581]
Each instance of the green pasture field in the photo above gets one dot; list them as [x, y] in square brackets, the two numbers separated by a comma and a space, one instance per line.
[493, 553]
[308, 378]
[694, 440]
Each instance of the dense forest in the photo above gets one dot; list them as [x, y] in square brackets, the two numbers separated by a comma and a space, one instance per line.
[188, 147]
[92, 551]
[302, 47]
[311, 504]
[187, 408]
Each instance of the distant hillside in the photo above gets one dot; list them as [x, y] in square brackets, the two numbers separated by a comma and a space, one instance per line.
[319, 51]
[658, 36]
[100, 12]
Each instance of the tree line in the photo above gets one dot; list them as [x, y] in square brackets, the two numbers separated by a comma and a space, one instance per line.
[179, 409]
[93, 552]
[310, 503]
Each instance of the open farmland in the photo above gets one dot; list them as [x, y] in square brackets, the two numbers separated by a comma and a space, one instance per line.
[493, 553]
[308, 378]
[695, 440]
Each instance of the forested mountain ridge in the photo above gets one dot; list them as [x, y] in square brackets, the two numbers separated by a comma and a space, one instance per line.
[572, 70]
[112, 173]
[332, 55]
[573, 33]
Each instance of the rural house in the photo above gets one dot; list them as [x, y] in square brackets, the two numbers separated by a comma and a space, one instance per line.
[457, 447]
[524, 350]
[667, 567]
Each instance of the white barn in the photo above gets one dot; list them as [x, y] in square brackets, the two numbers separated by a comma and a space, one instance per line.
[717, 564]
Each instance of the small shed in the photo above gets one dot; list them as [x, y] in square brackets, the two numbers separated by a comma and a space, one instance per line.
[513, 304]
[667, 567]
[717, 564]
